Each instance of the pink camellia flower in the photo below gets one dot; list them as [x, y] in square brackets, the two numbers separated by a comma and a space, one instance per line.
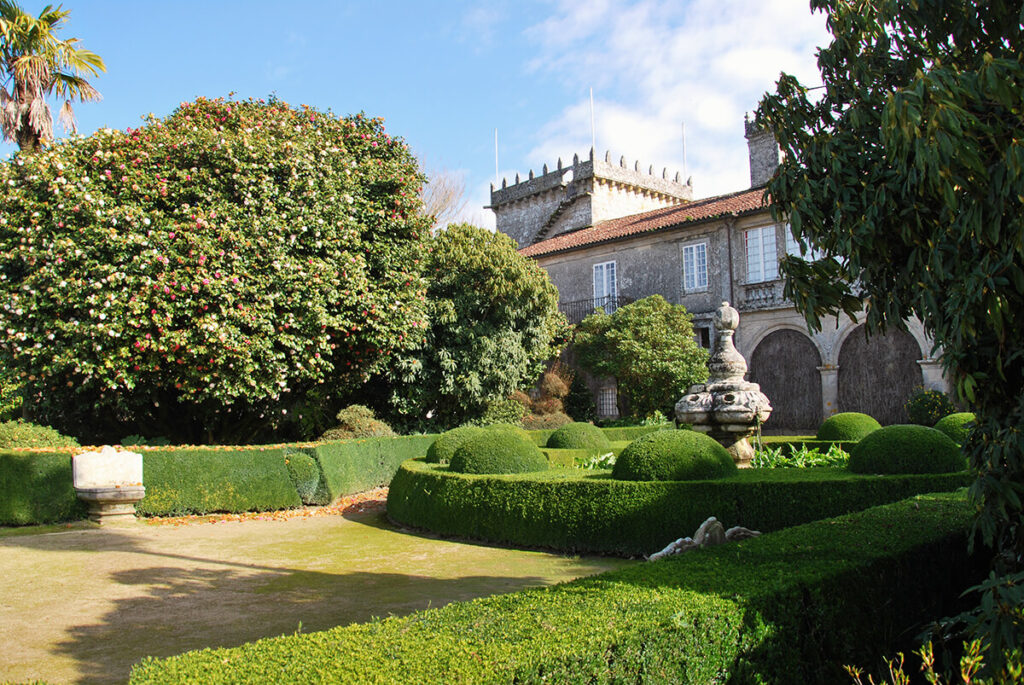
[171, 236]
[206, 281]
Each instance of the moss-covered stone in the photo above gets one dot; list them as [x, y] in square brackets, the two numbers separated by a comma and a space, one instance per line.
[580, 436]
[956, 426]
[498, 451]
[674, 455]
[848, 425]
[907, 449]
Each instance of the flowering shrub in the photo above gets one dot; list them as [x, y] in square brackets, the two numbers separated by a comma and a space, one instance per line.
[195, 277]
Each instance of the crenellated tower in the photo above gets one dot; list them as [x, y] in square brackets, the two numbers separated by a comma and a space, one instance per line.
[589, 191]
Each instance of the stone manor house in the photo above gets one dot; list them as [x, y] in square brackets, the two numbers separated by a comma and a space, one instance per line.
[608, 234]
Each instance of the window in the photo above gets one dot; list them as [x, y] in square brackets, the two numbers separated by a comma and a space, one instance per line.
[702, 334]
[793, 248]
[695, 267]
[762, 260]
[605, 287]
[607, 406]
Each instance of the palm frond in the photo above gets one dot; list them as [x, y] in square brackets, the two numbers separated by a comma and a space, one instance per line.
[40, 119]
[66, 117]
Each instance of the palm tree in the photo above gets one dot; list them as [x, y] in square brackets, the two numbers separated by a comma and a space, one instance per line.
[34, 64]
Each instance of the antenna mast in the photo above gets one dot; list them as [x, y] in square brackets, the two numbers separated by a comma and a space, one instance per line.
[685, 175]
[497, 180]
[593, 130]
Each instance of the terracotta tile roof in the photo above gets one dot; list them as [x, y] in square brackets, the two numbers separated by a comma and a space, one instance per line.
[743, 202]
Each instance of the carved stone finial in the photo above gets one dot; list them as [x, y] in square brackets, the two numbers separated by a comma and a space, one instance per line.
[689, 181]
[545, 169]
[677, 177]
[591, 153]
[636, 165]
[531, 174]
[608, 156]
[575, 159]
[559, 163]
[492, 187]
[650, 170]
[517, 177]
[727, 407]
[504, 183]
[664, 172]
[622, 161]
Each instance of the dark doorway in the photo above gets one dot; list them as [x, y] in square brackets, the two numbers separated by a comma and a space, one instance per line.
[877, 375]
[785, 365]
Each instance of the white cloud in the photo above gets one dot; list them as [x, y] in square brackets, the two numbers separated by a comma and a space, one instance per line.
[654, 64]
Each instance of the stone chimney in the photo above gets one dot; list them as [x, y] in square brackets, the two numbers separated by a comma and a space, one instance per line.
[764, 153]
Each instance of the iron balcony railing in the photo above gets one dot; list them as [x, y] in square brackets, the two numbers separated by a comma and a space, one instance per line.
[577, 310]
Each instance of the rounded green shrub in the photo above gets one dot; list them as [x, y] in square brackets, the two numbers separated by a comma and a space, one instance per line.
[673, 455]
[498, 452]
[907, 449]
[926, 407]
[357, 421]
[580, 436]
[510, 428]
[956, 426]
[18, 433]
[847, 425]
[305, 475]
[442, 449]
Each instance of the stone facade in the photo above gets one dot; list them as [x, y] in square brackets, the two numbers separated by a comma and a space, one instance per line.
[583, 194]
[649, 251]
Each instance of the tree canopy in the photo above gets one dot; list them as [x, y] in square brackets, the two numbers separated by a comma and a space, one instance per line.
[207, 275]
[494, 322]
[34, 64]
[907, 170]
[649, 348]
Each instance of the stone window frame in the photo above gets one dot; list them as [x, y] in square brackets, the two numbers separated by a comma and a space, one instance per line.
[698, 287]
[766, 259]
[793, 247]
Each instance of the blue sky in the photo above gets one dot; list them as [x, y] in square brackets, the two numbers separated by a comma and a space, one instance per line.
[446, 74]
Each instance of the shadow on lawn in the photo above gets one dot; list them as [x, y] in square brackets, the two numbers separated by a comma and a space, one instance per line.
[191, 602]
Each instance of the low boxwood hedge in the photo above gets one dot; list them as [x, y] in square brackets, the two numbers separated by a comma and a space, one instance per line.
[788, 607]
[36, 487]
[200, 480]
[589, 511]
[358, 465]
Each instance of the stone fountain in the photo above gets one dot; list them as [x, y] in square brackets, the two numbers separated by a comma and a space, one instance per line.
[727, 407]
[110, 482]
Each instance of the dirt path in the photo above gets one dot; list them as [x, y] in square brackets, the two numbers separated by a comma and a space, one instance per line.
[83, 604]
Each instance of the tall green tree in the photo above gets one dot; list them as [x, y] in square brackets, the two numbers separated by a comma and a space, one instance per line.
[35, 64]
[493, 323]
[649, 348]
[907, 169]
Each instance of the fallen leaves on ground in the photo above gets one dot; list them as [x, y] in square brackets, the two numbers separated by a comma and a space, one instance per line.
[362, 502]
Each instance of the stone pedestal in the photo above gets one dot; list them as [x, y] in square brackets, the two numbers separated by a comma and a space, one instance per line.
[829, 390]
[110, 482]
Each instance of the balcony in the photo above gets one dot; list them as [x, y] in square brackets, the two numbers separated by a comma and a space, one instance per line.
[577, 310]
[767, 295]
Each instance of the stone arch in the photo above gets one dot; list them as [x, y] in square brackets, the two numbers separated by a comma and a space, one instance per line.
[877, 375]
[785, 364]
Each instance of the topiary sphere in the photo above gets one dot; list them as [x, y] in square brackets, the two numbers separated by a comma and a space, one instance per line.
[673, 455]
[847, 425]
[442, 449]
[580, 436]
[956, 426]
[510, 428]
[498, 452]
[907, 449]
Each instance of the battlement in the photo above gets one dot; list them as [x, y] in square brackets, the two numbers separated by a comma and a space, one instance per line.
[763, 151]
[588, 191]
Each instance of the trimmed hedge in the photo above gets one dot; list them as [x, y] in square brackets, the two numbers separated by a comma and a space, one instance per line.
[580, 436]
[19, 434]
[909, 448]
[588, 511]
[359, 465]
[201, 480]
[307, 478]
[36, 487]
[674, 455]
[630, 433]
[788, 607]
[442, 449]
[956, 426]
[848, 425]
[500, 451]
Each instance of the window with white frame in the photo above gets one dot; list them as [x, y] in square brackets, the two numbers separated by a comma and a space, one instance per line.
[793, 247]
[762, 260]
[605, 286]
[695, 267]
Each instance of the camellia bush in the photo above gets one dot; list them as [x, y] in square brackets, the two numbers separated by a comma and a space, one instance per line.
[198, 277]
